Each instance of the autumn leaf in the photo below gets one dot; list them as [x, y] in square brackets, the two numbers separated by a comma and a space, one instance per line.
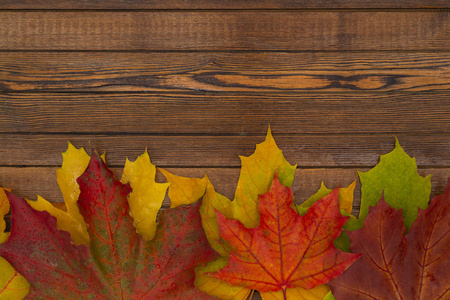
[396, 177]
[345, 204]
[256, 175]
[285, 250]
[147, 196]
[118, 264]
[75, 161]
[12, 284]
[4, 209]
[394, 266]
[184, 190]
[316, 293]
[345, 198]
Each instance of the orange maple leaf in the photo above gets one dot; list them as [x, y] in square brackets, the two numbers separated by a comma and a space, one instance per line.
[286, 250]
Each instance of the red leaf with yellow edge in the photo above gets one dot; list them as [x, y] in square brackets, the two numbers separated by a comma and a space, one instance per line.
[285, 250]
[394, 266]
[118, 264]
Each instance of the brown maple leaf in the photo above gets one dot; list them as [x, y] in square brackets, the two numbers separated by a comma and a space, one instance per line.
[394, 266]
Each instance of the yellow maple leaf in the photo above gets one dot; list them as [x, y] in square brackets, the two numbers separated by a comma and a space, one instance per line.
[146, 197]
[316, 293]
[184, 190]
[4, 209]
[75, 161]
[12, 285]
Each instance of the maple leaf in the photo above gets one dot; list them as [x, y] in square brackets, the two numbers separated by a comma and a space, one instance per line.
[345, 204]
[4, 209]
[147, 196]
[345, 198]
[184, 190]
[396, 177]
[394, 266]
[256, 175]
[12, 284]
[118, 264]
[75, 161]
[285, 250]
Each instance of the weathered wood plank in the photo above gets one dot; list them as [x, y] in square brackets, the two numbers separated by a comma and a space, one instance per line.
[236, 114]
[27, 182]
[224, 30]
[219, 4]
[223, 151]
[224, 72]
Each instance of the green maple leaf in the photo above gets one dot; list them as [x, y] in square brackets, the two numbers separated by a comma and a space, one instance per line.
[396, 177]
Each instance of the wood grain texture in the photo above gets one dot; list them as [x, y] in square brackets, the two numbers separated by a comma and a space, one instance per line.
[27, 182]
[219, 4]
[224, 30]
[224, 72]
[236, 114]
[223, 151]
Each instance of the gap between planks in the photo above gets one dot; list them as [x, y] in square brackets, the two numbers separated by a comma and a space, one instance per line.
[221, 4]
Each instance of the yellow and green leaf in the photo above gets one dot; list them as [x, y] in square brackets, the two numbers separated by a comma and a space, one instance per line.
[256, 175]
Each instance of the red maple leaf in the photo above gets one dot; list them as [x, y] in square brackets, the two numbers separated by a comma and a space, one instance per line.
[394, 266]
[118, 264]
[286, 250]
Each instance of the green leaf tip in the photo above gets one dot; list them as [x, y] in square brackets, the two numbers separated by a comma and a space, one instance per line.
[396, 175]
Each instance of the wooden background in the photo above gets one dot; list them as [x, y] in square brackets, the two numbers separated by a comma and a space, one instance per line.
[198, 82]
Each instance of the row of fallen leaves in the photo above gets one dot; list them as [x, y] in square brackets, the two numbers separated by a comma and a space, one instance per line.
[107, 243]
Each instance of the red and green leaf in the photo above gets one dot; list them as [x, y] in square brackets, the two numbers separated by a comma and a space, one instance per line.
[118, 264]
[394, 266]
[285, 250]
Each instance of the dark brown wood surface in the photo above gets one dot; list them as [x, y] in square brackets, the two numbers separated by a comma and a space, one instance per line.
[224, 30]
[225, 72]
[237, 113]
[221, 4]
[198, 82]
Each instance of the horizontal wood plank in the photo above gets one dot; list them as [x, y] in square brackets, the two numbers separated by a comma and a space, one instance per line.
[223, 151]
[224, 72]
[224, 30]
[27, 182]
[235, 114]
[219, 4]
